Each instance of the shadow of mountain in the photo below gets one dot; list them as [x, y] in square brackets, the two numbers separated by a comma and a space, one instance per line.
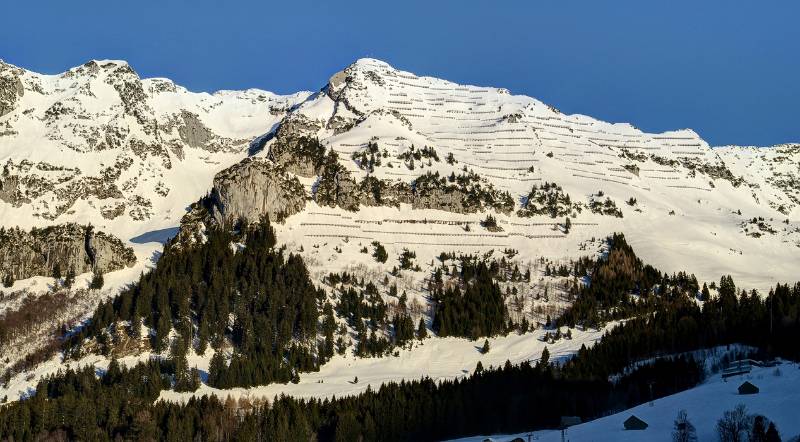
[160, 236]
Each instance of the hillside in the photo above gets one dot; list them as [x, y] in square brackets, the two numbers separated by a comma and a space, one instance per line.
[436, 175]
[704, 404]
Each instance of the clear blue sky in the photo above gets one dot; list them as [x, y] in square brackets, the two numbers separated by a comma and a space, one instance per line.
[728, 69]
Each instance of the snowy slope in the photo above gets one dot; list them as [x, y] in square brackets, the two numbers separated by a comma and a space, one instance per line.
[693, 203]
[439, 358]
[778, 400]
[97, 144]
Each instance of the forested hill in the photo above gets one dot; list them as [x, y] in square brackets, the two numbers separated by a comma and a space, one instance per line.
[663, 316]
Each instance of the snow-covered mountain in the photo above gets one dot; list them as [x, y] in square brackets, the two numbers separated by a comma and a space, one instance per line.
[422, 164]
[684, 205]
[98, 144]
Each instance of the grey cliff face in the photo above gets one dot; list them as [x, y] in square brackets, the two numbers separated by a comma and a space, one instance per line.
[193, 132]
[288, 148]
[11, 89]
[66, 246]
[254, 188]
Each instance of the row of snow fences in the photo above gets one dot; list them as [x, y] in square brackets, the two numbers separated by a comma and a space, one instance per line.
[739, 367]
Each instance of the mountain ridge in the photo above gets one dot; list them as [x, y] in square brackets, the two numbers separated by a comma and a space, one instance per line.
[508, 141]
[380, 159]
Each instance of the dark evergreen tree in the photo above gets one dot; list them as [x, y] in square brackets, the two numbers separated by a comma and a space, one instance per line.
[422, 330]
[772, 433]
[379, 254]
[758, 431]
[705, 295]
[97, 281]
[544, 360]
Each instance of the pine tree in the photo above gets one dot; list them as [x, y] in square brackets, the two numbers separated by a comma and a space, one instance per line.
[705, 295]
[97, 281]
[57, 271]
[758, 432]
[185, 379]
[379, 254]
[544, 361]
[216, 370]
[485, 348]
[422, 331]
[136, 327]
[772, 433]
[163, 327]
[567, 225]
[8, 280]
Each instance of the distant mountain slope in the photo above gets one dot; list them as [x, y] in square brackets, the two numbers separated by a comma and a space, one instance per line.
[684, 205]
[98, 144]
[129, 154]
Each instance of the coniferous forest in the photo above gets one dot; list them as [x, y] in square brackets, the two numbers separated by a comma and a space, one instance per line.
[196, 289]
[242, 274]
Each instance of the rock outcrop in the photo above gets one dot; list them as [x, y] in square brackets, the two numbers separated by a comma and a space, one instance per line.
[193, 132]
[254, 188]
[99, 134]
[11, 88]
[295, 149]
[64, 246]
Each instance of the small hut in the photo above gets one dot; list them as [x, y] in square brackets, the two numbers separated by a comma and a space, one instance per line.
[634, 423]
[748, 388]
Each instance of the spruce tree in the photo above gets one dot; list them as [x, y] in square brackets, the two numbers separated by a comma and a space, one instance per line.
[485, 348]
[136, 327]
[758, 431]
[422, 331]
[184, 378]
[544, 361]
[705, 295]
[379, 254]
[772, 433]
[216, 370]
[97, 281]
